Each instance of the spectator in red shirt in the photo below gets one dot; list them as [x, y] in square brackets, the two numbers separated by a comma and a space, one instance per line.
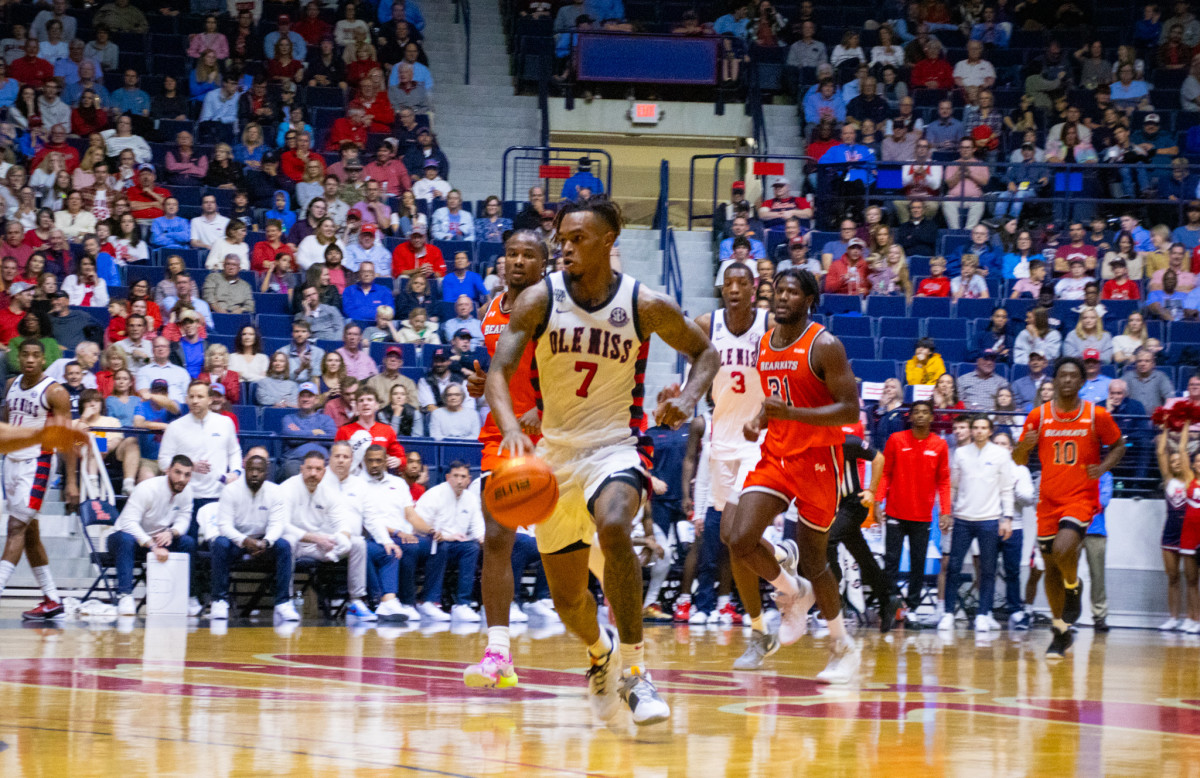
[415, 474]
[933, 72]
[415, 256]
[312, 28]
[782, 206]
[1120, 286]
[292, 161]
[848, 275]
[283, 66]
[351, 128]
[219, 404]
[372, 99]
[823, 139]
[31, 70]
[1077, 248]
[388, 170]
[913, 460]
[14, 245]
[936, 285]
[145, 199]
[360, 67]
[57, 142]
[266, 250]
[20, 297]
[366, 431]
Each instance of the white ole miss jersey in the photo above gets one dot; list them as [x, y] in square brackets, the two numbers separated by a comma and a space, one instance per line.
[28, 408]
[590, 367]
[737, 391]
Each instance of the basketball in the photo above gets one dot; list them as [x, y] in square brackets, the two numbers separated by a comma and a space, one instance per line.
[521, 492]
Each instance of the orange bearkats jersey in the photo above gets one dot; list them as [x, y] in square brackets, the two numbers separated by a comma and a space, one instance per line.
[787, 373]
[521, 387]
[1066, 445]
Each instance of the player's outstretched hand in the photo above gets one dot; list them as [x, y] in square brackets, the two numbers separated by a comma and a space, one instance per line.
[62, 437]
[531, 422]
[476, 380]
[673, 411]
[518, 443]
[667, 392]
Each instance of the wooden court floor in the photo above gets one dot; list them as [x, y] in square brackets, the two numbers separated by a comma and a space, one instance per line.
[172, 700]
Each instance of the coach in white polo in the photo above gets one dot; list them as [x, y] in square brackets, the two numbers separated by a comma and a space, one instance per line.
[209, 440]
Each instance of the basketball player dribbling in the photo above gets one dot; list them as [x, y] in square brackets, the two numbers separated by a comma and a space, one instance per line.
[1068, 433]
[591, 330]
[736, 332]
[33, 401]
[525, 257]
[811, 393]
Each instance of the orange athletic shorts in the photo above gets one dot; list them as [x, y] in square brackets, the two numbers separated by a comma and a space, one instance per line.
[1078, 514]
[812, 479]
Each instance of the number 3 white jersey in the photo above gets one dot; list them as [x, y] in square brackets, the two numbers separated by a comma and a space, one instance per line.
[28, 408]
[737, 391]
[589, 368]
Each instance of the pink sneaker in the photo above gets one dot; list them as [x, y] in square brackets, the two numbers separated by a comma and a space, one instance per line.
[494, 671]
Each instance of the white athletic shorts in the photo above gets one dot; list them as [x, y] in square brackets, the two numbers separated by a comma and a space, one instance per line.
[728, 478]
[581, 473]
[25, 482]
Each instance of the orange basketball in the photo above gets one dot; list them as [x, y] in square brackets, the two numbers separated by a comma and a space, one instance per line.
[520, 492]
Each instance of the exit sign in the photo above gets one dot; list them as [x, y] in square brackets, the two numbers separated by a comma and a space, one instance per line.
[645, 113]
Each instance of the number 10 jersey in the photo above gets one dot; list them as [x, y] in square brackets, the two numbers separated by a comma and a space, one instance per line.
[591, 368]
[737, 389]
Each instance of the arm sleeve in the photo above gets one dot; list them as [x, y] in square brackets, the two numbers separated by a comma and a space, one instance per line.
[226, 521]
[180, 527]
[168, 448]
[233, 450]
[130, 520]
[374, 522]
[1022, 485]
[955, 476]
[889, 462]
[277, 520]
[475, 532]
[428, 508]
[1007, 490]
[435, 426]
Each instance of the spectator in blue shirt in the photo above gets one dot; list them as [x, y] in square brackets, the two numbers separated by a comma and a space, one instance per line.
[991, 257]
[221, 105]
[67, 68]
[861, 170]
[299, 47]
[736, 24]
[464, 319]
[306, 422]
[361, 300]
[409, 10]
[583, 179]
[154, 413]
[1142, 240]
[170, 231]
[130, 99]
[463, 282]
[740, 227]
[420, 74]
[824, 101]
[1095, 543]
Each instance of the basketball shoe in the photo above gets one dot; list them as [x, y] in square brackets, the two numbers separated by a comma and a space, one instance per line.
[793, 611]
[494, 671]
[643, 699]
[761, 646]
[1059, 644]
[843, 662]
[683, 610]
[46, 609]
[1072, 602]
[603, 677]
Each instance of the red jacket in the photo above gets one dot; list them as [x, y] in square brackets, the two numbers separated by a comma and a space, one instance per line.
[381, 434]
[232, 383]
[910, 467]
[938, 70]
[844, 279]
[346, 130]
[404, 259]
[31, 71]
[292, 166]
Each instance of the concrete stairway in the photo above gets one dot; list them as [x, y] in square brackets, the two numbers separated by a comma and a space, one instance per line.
[475, 123]
[68, 552]
[783, 137]
[641, 258]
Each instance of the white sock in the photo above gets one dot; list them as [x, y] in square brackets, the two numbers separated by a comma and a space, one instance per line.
[780, 553]
[1061, 625]
[759, 623]
[128, 484]
[46, 582]
[633, 655]
[6, 571]
[785, 583]
[683, 599]
[601, 646]
[722, 601]
[837, 627]
[498, 639]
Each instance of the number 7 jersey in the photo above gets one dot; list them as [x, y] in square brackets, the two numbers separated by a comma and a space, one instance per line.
[736, 390]
[590, 368]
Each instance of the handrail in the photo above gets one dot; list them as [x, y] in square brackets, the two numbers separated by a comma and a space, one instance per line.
[764, 156]
[462, 11]
[672, 272]
[546, 151]
[664, 195]
[754, 108]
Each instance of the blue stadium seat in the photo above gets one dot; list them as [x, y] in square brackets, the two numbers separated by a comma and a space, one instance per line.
[249, 393]
[275, 325]
[968, 308]
[269, 303]
[272, 418]
[1119, 310]
[451, 247]
[1181, 381]
[230, 323]
[135, 273]
[1155, 328]
[1017, 372]
[953, 350]
[1017, 308]
[1184, 332]
[881, 305]
[247, 417]
[941, 329]
[840, 303]
[930, 307]
[225, 339]
[900, 327]
[1183, 354]
[817, 240]
[485, 255]
[859, 348]
[877, 370]
[427, 353]
[844, 325]
[898, 349]
[918, 266]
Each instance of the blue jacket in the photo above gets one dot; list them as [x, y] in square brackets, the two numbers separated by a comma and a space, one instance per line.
[1106, 492]
[287, 215]
[815, 105]
[168, 232]
[301, 426]
[583, 178]
[471, 285]
[990, 259]
[853, 153]
[357, 304]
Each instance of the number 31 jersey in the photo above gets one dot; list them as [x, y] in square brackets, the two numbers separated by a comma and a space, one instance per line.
[591, 368]
[737, 389]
